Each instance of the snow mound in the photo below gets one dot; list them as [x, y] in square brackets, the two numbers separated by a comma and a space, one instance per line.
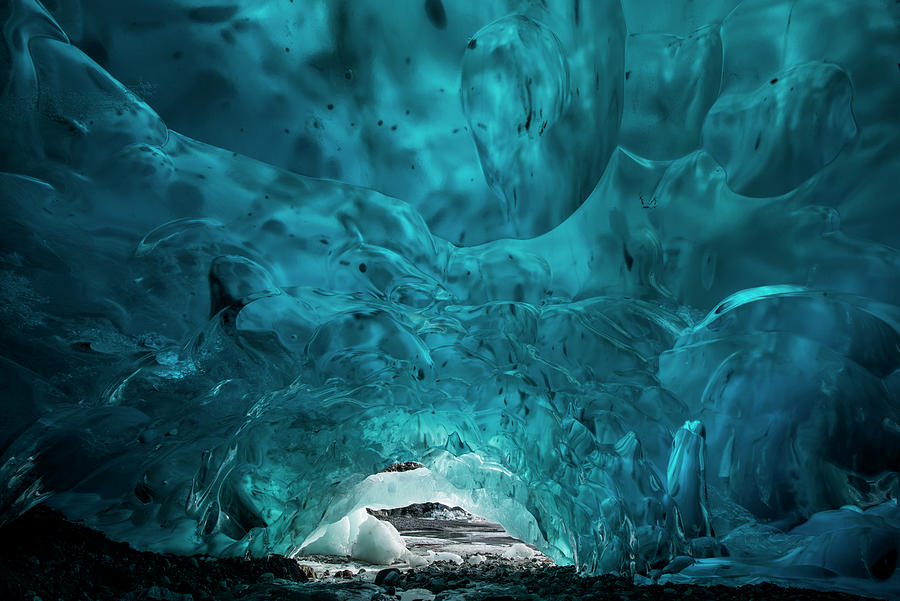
[519, 551]
[360, 536]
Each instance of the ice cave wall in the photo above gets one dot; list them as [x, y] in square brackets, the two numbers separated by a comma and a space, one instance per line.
[623, 274]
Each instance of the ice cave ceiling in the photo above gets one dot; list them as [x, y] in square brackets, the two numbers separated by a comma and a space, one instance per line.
[623, 275]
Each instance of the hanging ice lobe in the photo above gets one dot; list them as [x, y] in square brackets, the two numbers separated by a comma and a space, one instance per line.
[527, 94]
[755, 136]
[670, 84]
[623, 276]
[497, 68]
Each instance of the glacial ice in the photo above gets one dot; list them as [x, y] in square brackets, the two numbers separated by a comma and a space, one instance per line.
[358, 535]
[623, 276]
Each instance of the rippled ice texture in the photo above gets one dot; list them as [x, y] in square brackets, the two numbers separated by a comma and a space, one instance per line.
[623, 276]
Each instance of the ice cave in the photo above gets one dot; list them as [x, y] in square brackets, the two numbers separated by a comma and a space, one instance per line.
[622, 275]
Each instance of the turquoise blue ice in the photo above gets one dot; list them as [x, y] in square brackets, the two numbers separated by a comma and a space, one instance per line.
[624, 276]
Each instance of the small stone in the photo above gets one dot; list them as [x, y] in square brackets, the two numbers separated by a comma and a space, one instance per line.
[161, 593]
[267, 577]
[388, 577]
[307, 573]
[437, 585]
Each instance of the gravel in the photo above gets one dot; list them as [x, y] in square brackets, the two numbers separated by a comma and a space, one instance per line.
[47, 557]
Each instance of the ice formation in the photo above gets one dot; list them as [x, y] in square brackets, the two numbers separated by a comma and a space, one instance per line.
[623, 276]
[358, 535]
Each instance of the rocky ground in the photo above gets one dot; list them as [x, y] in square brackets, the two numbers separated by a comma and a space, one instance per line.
[46, 558]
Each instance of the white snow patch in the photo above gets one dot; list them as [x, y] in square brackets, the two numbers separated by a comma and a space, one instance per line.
[444, 556]
[519, 551]
[415, 561]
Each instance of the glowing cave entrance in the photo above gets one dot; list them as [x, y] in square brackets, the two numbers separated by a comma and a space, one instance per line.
[394, 524]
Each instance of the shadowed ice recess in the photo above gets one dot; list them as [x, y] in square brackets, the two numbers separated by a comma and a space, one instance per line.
[623, 276]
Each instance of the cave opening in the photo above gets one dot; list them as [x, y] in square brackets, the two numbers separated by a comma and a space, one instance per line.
[406, 515]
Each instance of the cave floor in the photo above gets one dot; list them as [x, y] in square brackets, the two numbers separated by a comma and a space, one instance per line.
[45, 557]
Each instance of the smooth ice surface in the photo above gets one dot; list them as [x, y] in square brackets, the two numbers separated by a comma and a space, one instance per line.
[623, 276]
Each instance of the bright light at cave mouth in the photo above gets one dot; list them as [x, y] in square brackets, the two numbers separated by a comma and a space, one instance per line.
[623, 275]
[413, 519]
